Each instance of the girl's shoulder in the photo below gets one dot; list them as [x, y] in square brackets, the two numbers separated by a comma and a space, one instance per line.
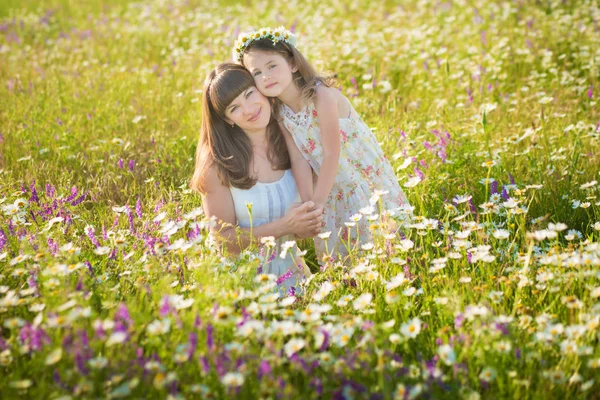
[328, 96]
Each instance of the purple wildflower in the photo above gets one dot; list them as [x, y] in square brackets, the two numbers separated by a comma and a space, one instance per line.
[205, 365]
[504, 194]
[458, 320]
[264, 369]
[52, 245]
[131, 165]
[49, 191]
[34, 196]
[89, 266]
[130, 218]
[80, 199]
[192, 343]
[165, 307]
[74, 192]
[33, 336]
[3, 239]
[138, 208]
[291, 291]
[209, 337]
[92, 237]
[419, 173]
[80, 361]
[123, 316]
[285, 276]
[494, 187]
[325, 343]
[120, 163]
[197, 322]
[472, 207]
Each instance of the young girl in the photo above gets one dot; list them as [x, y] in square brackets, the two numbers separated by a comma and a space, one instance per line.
[332, 138]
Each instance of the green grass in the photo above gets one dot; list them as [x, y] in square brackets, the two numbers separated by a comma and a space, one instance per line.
[88, 87]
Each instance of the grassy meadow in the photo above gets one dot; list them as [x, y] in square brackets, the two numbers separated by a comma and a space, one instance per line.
[110, 286]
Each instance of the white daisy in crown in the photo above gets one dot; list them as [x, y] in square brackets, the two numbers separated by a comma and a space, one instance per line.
[275, 35]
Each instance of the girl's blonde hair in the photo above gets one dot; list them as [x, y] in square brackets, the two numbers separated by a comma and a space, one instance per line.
[305, 78]
[226, 147]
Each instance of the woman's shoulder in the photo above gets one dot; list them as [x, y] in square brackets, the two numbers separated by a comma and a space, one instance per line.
[212, 178]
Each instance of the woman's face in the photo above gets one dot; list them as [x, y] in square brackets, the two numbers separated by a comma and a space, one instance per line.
[250, 110]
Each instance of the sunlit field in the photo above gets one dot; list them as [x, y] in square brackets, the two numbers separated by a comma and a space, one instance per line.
[110, 286]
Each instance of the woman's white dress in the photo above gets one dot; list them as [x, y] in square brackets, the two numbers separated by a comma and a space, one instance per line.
[270, 201]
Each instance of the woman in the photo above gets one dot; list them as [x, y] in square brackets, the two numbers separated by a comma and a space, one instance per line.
[243, 172]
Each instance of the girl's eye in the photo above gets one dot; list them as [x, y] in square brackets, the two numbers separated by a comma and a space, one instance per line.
[257, 73]
[272, 66]
[249, 93]
[232, 109]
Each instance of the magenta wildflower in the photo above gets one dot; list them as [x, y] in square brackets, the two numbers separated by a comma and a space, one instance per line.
[131, 165]
[205, 365]
[34, 196]
[264, 369]
[92, 237]
[291, 291]
[74, 193]
[192, 344]
[138, 208]
[89, 267]
[80, 361]
[494, 187]
[130, 217]
[458, 320]
[4, 239]
[419, 173]
[113, 254]
[159, 205]
[166, 308]
[472, 207]
[285, 276]
[120, 163]
[79, 200]
[123, 316]
[590, 92]
[33, 336]
[325, 343]
[52, 246]
[511, 179]
[210, 343]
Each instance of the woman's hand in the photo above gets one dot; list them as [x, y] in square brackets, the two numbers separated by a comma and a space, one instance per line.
[304, 220]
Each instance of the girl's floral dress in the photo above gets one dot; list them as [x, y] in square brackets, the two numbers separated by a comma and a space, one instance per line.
[363, 173]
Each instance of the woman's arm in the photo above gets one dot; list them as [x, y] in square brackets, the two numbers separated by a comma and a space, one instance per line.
[217, 202]
[300, 167]
[326, 105]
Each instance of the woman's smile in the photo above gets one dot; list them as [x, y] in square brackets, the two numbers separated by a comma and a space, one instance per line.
[255, 116]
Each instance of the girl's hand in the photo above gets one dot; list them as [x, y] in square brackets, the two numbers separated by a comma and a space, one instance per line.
[304, 220]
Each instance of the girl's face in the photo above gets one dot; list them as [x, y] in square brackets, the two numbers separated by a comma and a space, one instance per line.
[250, 110]
[272, 73]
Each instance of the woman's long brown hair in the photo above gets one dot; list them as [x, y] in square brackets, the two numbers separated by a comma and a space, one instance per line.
[225, 147]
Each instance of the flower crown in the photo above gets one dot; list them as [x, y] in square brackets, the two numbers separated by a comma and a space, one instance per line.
[274, 35]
